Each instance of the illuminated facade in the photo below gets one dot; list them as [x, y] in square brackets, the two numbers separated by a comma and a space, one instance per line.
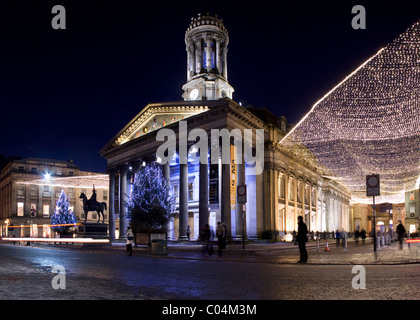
[29, 190]
[290, 184]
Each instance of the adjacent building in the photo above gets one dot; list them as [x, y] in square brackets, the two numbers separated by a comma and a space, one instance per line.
[29, 189]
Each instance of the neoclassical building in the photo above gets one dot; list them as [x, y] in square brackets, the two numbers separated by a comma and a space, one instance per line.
[290, 184]
[30, 188]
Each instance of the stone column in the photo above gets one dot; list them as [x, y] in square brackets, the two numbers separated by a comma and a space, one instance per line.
[203, 205]
[218, 57]
[225, 63]
[240, 169]
[183, 201]
[225, 199]
[198, 49]
[123, 200]
[189, 63]
[111, 202]
[208, 55]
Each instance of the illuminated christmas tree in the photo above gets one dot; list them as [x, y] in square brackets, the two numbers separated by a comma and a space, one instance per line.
[150, 204]
[63, 218]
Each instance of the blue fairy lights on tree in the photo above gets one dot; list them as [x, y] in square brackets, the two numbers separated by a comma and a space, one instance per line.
[151, 203]
[63, 215]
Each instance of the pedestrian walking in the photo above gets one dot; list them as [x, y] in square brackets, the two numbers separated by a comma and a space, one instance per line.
[363, 235]
[356, 236]
[220, 233]
[301, 239]
[400, 231]
[343, 236]
[188, 232]
[130, 240]
[337, 237]
[205, 240]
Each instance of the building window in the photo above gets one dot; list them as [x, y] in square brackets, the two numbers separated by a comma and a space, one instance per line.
[299, 190]
[281, 186]
[190, 191]
[46, 210]
[34, 191]
[20, 209]
[21, 191]
[291, 190]
[46, 231]
[46, 191]
[33, 210]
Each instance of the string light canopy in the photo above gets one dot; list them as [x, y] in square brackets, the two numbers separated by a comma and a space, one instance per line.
[101, 181]
[370, 123]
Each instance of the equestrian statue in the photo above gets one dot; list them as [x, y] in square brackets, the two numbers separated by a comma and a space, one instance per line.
[93, 205]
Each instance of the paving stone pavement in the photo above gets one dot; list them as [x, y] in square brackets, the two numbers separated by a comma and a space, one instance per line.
[279, 253]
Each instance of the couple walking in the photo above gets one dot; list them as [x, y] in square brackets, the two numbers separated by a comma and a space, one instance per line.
[207, 235]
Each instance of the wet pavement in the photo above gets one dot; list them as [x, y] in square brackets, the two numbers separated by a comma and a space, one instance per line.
[260, 272]
[277, 253]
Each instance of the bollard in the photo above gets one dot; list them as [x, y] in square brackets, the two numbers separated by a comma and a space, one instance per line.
[317, 243]
[378, 242]
[382, 241]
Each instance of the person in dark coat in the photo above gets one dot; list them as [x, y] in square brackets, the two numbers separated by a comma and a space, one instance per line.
[205, 239]
[363, 235]
[400, 232]
[301, 239]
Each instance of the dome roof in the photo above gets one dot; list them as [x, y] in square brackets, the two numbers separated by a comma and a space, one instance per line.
[207, 19]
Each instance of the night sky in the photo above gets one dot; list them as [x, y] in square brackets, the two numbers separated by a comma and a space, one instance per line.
[65, 93]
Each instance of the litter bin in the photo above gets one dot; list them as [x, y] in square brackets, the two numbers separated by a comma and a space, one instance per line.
[159, 247]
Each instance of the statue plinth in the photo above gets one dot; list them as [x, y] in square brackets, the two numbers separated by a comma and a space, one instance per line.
[92, 230]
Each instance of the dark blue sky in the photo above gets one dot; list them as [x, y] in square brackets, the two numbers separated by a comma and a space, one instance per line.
[65, 93]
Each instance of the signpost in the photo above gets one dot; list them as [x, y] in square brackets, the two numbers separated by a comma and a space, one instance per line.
[241, 199]
[372, 190]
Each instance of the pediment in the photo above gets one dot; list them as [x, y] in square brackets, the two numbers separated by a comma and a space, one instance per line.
[154, 117]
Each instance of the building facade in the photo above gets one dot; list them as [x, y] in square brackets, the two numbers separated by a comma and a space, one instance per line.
[29, 190]
[291, 183]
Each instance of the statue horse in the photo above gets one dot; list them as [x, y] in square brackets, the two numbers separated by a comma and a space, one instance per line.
[93, 205]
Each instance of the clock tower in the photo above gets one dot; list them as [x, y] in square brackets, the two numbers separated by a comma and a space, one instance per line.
[206, 42]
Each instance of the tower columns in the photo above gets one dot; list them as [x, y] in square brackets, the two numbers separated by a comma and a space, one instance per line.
[198, 56]
[225, 62]
[206, 40]
[218, 57]
[208, 53]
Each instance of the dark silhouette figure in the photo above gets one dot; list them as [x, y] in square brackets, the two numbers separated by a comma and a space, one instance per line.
[301, 239]
[400, 231]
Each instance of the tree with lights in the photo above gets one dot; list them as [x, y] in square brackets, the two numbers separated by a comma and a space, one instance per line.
[63, 218]
[150, 204]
